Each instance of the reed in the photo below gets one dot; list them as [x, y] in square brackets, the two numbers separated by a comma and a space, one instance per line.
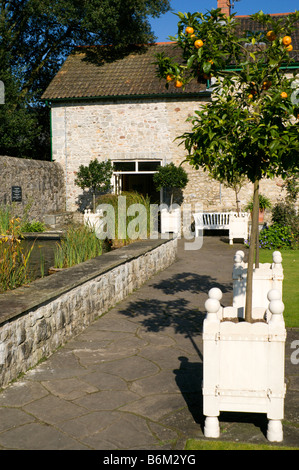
[5, 218]
[79, 244]
[14, 262]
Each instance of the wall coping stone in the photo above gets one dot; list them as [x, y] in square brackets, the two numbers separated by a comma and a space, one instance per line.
[18, 302]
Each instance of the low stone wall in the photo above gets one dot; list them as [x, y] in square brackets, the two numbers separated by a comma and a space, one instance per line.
[37, 319]
[42, 186]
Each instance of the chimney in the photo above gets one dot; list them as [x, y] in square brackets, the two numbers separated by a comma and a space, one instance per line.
[225, 6]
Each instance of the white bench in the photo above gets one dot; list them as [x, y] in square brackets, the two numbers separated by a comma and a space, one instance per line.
[236, 224]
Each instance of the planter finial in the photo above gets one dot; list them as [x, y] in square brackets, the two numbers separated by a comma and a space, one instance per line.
[212, 304]
[276, 306]
[277, 258]
[239, 257]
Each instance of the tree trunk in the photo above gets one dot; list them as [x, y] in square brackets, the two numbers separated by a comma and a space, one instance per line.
[252, 249]
[94, 201]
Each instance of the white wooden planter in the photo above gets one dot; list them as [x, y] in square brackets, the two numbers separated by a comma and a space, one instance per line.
[243, 364]
[268, 276]
[238, 226]
[94, 220]
[171, 220]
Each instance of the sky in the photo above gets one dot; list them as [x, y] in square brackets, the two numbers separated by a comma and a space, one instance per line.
[166, 25]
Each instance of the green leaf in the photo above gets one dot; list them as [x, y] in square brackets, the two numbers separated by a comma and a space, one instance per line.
[274, 146]
[190, 61]
[206, 67]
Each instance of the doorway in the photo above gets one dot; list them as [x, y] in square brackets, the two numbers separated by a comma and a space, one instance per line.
[136, 176]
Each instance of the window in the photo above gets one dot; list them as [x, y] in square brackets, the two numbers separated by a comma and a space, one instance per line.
[138, 166]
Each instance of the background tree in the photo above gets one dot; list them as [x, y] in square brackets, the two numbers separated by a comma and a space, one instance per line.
[96, 177]
[170, 177]
[36, 37]
[250, 127]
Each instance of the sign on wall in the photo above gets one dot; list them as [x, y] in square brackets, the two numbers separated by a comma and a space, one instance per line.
[16, 194]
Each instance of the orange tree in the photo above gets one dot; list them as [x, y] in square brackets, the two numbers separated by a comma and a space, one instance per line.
[249, 128]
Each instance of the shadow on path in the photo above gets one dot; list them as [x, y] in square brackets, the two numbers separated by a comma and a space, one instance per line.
[190, 282]
[189, 381]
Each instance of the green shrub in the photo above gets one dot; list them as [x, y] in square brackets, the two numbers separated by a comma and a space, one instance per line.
[33, 226]
[277, 236]
[285, 214]
[131, 198]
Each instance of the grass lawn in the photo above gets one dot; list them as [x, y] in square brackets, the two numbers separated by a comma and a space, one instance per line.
[290, 263]
[194, 444]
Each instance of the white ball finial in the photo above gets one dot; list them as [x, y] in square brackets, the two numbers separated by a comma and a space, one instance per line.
[277, 258]
[212, 305]
[215, 293]
[276, 307]
[273, 294]
[239, 257]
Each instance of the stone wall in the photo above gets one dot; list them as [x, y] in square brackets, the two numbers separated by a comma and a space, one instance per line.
[35, 320]
[132, 130]
[42, 184]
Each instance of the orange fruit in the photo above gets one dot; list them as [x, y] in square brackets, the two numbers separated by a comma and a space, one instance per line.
[178, 84]
[284, 94]
[198, 43]
[286, 40]
[189, 30]
[266, 85]
[168, 78]
[250, 96]
[271, 35]
[289, 48]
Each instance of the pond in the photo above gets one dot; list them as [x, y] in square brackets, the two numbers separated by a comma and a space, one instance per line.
[42, 255]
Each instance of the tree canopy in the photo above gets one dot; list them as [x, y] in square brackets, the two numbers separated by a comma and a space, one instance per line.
[36, 36]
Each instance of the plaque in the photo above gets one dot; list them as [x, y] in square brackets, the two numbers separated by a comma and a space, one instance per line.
[16, 194]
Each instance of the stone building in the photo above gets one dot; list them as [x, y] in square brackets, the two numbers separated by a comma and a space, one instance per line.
[118, 109]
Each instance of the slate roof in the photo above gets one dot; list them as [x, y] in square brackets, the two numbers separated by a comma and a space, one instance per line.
[85, 74]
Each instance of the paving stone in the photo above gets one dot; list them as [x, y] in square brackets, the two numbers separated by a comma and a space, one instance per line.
[107, 400]
[89, 424]
[13, 417]
[134, 426]
[69, 389]
[105, 381]
[52, 410]
[37, 436]
[156, 406]
[22, 393]
[130, 368]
